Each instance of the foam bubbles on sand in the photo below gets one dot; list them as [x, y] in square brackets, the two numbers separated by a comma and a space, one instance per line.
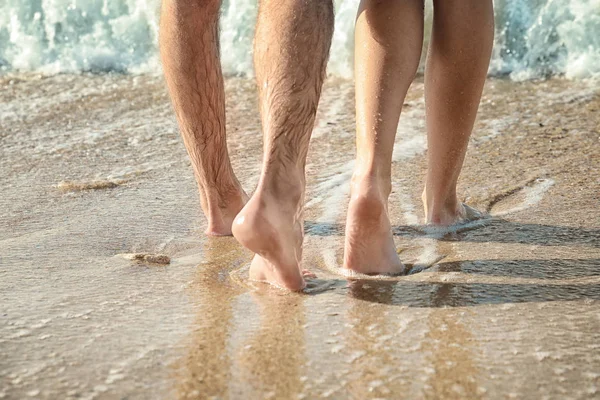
[148, 258]
[71, 186]
[520, 198]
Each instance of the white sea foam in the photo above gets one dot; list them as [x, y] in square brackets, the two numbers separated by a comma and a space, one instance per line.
[534, 38]
[533, 194]
[332, 111]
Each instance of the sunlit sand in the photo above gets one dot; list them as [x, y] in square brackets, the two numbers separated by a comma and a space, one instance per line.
[110, 289]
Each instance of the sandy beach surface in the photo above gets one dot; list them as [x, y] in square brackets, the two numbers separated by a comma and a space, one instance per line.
[93, 170]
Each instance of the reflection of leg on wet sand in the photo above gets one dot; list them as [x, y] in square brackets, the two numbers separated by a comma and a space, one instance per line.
[206, 369]
[273, 359]
[446, 347]
[449, 345]
[373, 365]
[289, 84]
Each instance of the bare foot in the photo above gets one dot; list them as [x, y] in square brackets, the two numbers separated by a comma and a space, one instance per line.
[221, 207]
[271, 226]
[262, 270]
[369, 245]
[450, 213]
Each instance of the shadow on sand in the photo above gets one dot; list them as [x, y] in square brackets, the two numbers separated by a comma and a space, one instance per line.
[492, 230]
[464, 294]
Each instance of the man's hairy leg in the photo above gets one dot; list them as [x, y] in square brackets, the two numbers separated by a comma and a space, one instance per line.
[291, 47]
[457, 64]
[190, 55]
[389, 37]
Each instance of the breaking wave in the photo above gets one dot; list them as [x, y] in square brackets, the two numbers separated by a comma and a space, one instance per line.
[534, 38]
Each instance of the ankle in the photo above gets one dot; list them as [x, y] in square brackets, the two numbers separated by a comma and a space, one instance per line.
[368, 200]
[220, 184]
[371, 184]
[287, 188]
[223, 195]
[441, 210]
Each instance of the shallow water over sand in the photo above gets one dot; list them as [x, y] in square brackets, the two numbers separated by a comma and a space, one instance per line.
[93, 168]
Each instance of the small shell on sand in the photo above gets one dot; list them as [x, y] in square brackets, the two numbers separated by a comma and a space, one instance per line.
[148, 258]
[70, 186]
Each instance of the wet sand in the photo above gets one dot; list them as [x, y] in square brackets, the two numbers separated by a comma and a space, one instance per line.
[93, 168]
